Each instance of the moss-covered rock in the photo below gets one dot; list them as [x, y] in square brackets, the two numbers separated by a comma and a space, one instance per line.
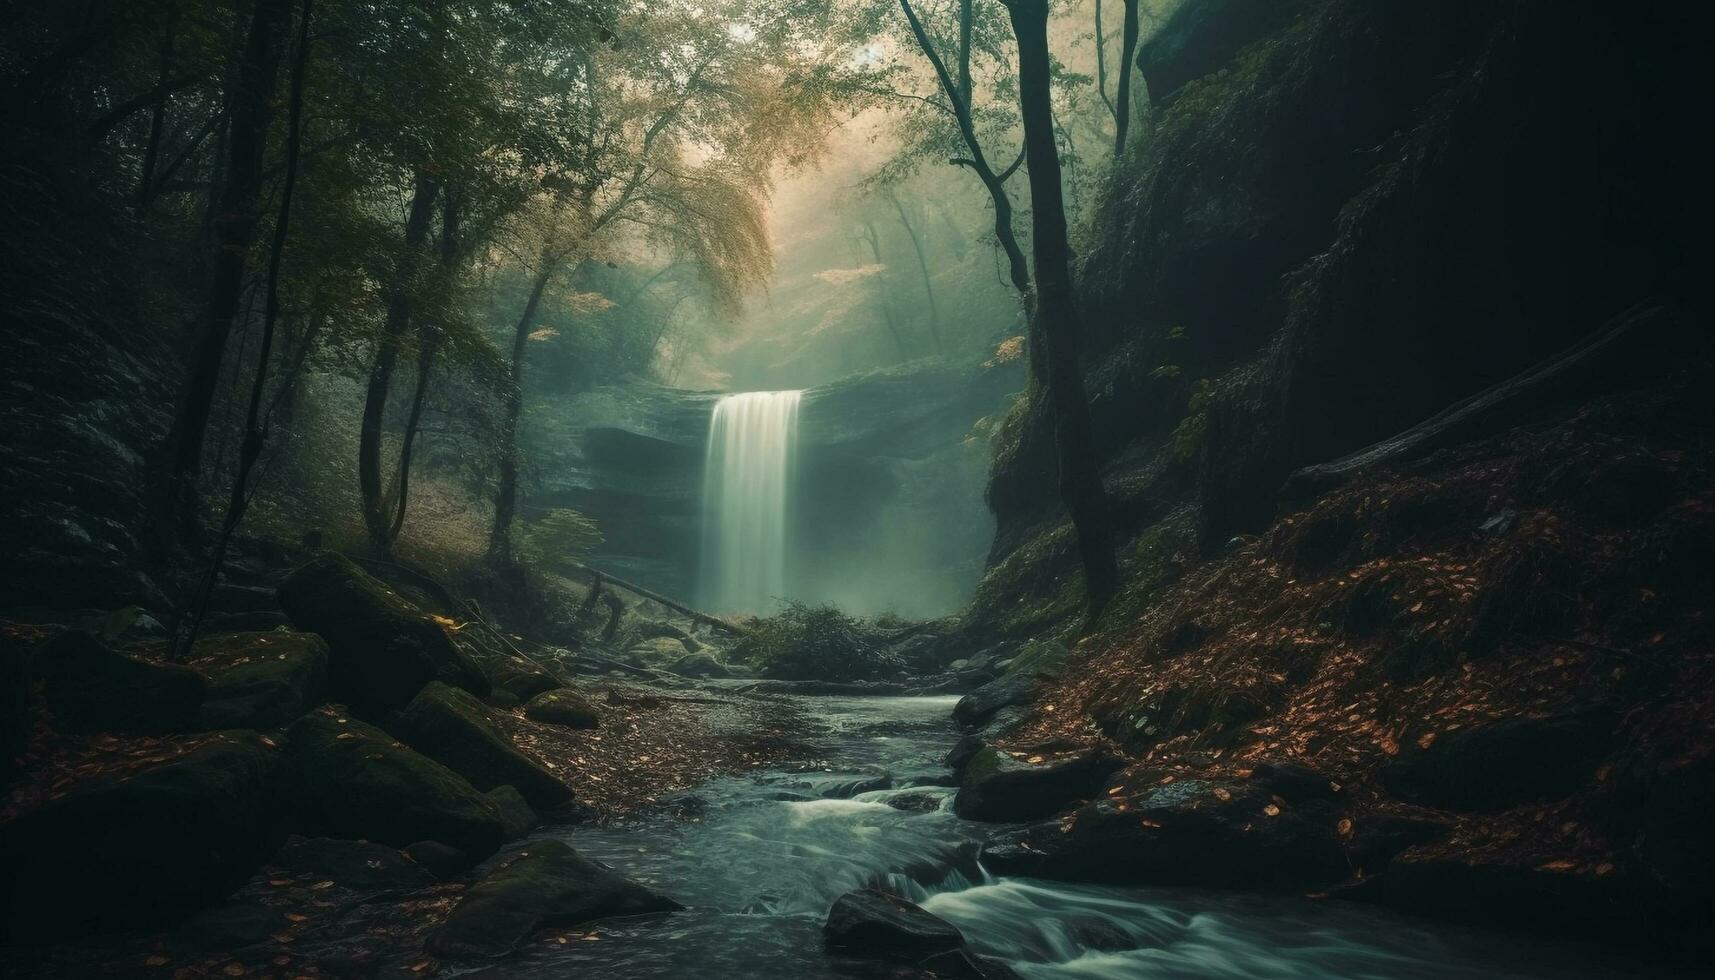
[260, 680]
[515, 811]
[548, 885]
[563, 707]
[995, 786]
[355, 781]
[166, 840]
[382, 648]
[93, 688]
[454, 729]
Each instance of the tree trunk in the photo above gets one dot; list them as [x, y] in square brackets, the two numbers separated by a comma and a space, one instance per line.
[375, 516]
[506, 493]
[255, 421]
[923, 267]
[234, 229]
[1122, 94]
[158, 118]
[1055, 312]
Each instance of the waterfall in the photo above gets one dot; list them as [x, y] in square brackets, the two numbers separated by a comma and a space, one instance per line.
[747, 500]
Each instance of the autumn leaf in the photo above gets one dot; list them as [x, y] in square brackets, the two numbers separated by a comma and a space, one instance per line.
[157, 960]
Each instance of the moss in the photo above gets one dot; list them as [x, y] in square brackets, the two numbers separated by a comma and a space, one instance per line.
[454, 729]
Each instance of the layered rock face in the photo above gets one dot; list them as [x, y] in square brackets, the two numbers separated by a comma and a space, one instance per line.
[887, 503]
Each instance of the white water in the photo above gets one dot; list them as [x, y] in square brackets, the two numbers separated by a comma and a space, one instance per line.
[747, 486]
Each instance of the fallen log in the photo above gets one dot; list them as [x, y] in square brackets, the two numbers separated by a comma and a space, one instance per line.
[598, 578]
[1647, 336]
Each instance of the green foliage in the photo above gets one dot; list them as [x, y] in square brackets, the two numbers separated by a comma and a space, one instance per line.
[561, 533]
[1189, 434]
[806, 642]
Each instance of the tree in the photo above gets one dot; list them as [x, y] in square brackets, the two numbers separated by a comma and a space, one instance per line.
[235, 228]
[922, 267]
[1054, 313]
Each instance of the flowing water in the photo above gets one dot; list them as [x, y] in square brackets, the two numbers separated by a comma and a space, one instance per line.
[759, 860]
[747, 484]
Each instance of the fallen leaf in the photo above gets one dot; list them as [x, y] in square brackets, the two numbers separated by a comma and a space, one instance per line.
[157, 960]
[1271, 810]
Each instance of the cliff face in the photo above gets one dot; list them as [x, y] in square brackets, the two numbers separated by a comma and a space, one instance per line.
[888, 500]
[85, 390]
[1347, 215]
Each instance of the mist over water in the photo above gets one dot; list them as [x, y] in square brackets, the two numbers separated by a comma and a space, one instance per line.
[747, 486]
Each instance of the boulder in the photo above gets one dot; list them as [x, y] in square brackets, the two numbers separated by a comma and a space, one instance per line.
[516, 814]
[249, 622]
[230, 598]
[1008, 690]
[167, 840]
[437, 858]
[996, 786]
[93, 688]
[563, 706]
[1199, 38]
[260, 680]
[1207, 833]
[513, 678]
[382, 649]
[355, 864]
[699, 665]
[548, 885]
[454, 729]
[1504, 764]
[355, 781]
[876, 923]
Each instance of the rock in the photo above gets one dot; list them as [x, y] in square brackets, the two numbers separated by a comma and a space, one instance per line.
[225, 928]
[230, 598]
[513, 678]
[249, 622]
[356, 781]
[563, 706]
[914, 802]
[995, 786]
[699, 665]
[437, 858]
[1503, 764]
[1199, 38]
[1294, 782]
[92, 688]
[962, 964]
[1673, 845]
[515, 812]
[963, 751]
[845, 789]
[355, 864]
[871, 922]
[548, 885]
[260, 680]
[382, 649]
[168, 839]
[1206, 833]
[453, 728]
[1005, 691]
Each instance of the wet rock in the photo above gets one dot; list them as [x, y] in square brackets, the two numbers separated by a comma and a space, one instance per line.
[699, 665]
[845, 789]
[355, 781]
[228, 927]
[230, 598]
[1503, 764]
[453, 728]
[981, 704]
[995, 786]
[382, 648]
[548, 885]
[963, 751]
[437, 858]
[1100, 935]
[260, 680]
[516, 814]
[93, 688]
[1187, 832]
[563, 706]
[915, 802]
[168, 839]
[875, 923]
[355, 864]
[962, 964]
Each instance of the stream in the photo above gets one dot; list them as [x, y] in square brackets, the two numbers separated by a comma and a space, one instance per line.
[760, 858]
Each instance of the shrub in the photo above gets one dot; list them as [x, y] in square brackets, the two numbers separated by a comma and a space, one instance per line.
[807, 642]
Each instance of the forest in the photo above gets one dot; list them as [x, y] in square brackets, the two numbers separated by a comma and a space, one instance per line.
[855, 489]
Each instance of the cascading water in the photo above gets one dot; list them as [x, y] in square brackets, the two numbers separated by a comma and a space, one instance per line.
[747, 500]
